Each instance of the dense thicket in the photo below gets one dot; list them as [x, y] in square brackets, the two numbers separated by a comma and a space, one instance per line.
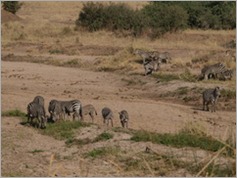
[11, 6]
[157, 18]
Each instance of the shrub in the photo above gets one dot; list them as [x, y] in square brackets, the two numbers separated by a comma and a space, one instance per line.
[11, 6]
[164, 18]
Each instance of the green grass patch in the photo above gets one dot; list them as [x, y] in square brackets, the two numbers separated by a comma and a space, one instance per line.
[14, 113]
[182, 139]
[103, 137]
[102, 151]
[63, 130]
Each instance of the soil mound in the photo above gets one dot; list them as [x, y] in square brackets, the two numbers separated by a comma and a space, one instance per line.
[8, 16]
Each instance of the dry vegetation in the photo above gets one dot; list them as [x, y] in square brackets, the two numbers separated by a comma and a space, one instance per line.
[46, 34]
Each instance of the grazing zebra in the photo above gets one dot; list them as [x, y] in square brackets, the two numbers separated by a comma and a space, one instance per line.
[107, 116]
[151, 66]
[73, 106]
[55, 110]
[162, 57]
[146, 56]
[212, 70]
[123, 115]
[226, 75]
[39, 100]
[89, 109]
[35, 110]
[210, 96]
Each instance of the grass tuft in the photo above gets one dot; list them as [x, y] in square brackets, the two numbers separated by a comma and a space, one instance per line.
[14, 113]
[63, 130]
[181, 139]
[103, 137]
[102, 151]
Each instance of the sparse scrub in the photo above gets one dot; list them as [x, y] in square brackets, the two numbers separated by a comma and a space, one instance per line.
[102, 151]
[71, 141]
[36, 151]
[165, 77]
[103, 137]
[181, 139]
[63, 130]
[228, 94]
[188, 76]
[14, 113]
[56, 51]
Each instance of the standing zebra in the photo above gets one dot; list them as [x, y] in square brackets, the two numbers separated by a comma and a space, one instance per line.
[107, 116]
[163, 57]
[123, 115]
[56, 108]
[210, 96]
[227, 74]
[39, 100]
[35, 110]
[150, 67]
[89, 109]
[146, 56]
[73, 106]
[212, 70]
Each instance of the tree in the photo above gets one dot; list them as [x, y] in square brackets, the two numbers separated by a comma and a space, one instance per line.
[11, 6]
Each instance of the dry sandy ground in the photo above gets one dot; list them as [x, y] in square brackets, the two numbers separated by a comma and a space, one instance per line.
[21, 82]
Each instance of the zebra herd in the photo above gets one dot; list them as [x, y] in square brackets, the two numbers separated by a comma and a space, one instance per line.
[153, 59]
[216, 71]
[62, 109]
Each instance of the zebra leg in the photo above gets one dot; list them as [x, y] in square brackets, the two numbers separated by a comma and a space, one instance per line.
[204, 105]
[81, 114]
[207, 107]
[111, 120]
[92, 117]
[127, 124]
[39, 122]
[122, 123]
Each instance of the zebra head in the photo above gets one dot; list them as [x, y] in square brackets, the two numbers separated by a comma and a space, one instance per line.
[44, 120]
[217, 92]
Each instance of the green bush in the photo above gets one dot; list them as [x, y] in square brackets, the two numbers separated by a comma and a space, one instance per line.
[162, 18]
[11, 6]
[157, 18]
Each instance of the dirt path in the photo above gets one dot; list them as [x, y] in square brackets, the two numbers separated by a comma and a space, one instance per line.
[21, 82]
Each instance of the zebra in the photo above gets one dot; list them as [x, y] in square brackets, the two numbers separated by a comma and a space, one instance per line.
[150, 67]
[212, 70]
[107, 116]
[39, 100]
[56, 108]
[36, 110]
[227, 74]
[150, 63]
[146, 56]
[123, 115]
[89, 109]
[210, 96]
[74, 106]
[163, 57]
